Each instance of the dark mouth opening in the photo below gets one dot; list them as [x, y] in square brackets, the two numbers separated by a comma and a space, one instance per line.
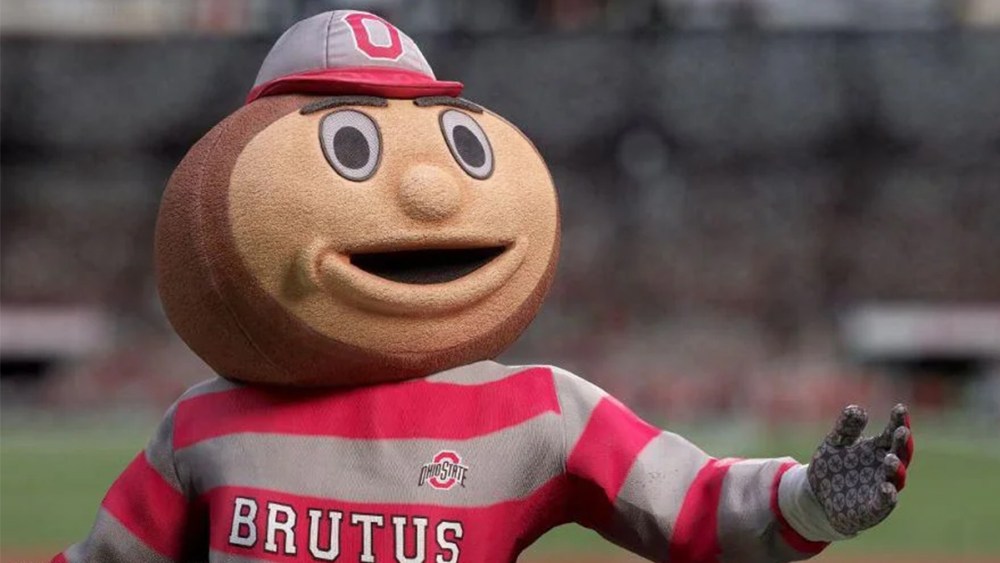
[424, 267]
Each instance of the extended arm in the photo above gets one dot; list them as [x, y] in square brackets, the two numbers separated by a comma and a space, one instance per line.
[660, 496]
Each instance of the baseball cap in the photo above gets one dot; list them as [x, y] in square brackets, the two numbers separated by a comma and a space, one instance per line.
[348, 52]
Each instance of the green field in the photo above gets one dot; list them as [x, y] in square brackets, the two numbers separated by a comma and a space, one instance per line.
[53, 475]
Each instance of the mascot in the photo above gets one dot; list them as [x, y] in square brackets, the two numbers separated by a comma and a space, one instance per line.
[348, 252]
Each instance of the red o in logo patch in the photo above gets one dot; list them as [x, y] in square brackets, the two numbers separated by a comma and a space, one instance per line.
[448, 460]
[363, 40]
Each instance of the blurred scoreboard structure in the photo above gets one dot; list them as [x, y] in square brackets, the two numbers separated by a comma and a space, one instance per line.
[966, 337]
[34, 340]
[942, 355]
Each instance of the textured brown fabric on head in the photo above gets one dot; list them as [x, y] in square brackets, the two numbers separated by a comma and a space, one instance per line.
[227, 316]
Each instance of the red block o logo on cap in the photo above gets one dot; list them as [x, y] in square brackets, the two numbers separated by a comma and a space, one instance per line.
[363, 40]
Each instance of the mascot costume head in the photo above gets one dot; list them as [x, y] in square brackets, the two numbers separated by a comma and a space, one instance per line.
[355, 222]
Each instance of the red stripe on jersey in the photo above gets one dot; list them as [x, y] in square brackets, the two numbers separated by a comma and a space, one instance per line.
[149, 507]
[601, 459]
[61, 558]
[696, 533]
[411, 409]
[497, 532]
[785, 530]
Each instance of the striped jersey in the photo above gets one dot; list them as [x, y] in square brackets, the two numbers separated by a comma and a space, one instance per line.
[469, 465]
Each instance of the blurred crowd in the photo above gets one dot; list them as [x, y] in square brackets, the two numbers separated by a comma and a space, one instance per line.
[238, 16]
[726, 194]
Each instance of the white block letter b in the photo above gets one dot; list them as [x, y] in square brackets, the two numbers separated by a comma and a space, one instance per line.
[244, 530]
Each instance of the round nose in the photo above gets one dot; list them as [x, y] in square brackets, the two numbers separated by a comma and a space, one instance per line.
[428, 193]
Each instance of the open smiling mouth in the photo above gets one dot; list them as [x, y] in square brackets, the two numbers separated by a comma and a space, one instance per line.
[404, 279]
[427, 266]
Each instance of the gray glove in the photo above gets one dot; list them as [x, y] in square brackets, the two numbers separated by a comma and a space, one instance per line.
[855, 479]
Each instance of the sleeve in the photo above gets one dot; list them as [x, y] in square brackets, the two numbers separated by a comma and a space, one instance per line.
[146, 516]
[660, 496]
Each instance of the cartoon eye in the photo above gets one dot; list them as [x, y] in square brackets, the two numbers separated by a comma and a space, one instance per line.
[352, 144]
[468, 143]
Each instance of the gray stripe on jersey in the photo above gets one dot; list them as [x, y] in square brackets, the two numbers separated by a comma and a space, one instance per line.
[577, 399]
[504, 465]
[653, 492]
[216, 385]
[110, 542]
[75, 553]
[477, 373]
[216, 556]
[747, 527]
[160, 450]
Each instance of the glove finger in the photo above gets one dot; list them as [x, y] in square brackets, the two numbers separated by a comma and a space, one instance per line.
[885, 499]
[895, 471]
[902, 444]
[899, 416]
[848, 427]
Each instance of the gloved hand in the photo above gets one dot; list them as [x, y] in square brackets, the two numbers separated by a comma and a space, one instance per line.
[856, 479]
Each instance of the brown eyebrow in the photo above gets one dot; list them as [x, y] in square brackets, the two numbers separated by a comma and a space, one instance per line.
[460, 103]
[338, 101]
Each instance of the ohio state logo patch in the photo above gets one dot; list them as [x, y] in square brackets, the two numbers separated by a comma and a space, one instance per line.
[444, 471]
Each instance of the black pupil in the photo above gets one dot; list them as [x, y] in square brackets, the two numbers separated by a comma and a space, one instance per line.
[468, 146]
[351, 148]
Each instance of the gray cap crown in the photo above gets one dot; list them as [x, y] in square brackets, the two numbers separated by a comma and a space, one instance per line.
[341, 39]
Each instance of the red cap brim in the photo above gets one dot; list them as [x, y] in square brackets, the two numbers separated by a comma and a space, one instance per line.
[362, 81]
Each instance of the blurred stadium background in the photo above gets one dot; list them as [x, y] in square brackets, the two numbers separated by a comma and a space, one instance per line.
[771, 208]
